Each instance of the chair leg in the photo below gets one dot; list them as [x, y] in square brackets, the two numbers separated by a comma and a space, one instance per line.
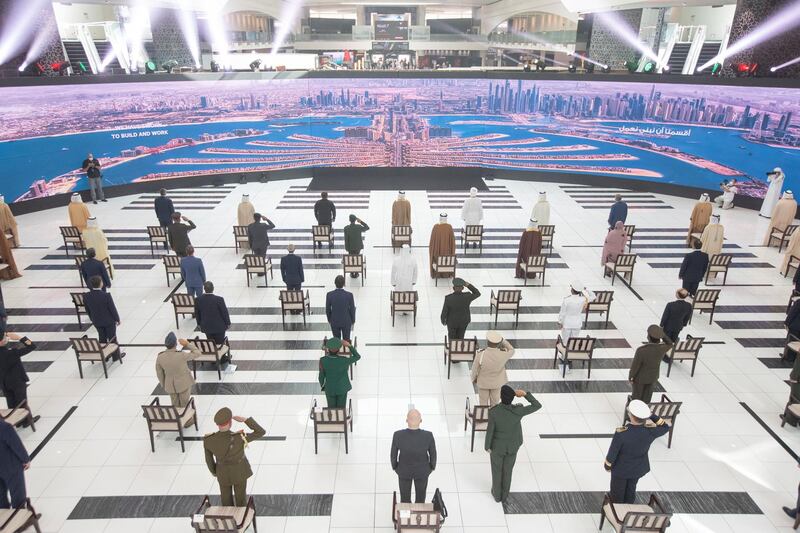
[669, 366]
[105, 368]
[219, 370]
[448, 369]
[180, 436]
[472, 445]
[80, 368]
[152, 442]
[315, 442]
[694, 364]
[194, 369]
[176, 321]
[564, 369]
[589, 375]
[346, 449]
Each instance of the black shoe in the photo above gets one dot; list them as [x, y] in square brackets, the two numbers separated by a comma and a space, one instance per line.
[103, 200]
[791, 512]
[94, 202]
[261, 275]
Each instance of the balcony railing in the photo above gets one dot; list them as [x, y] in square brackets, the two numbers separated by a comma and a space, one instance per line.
[543, 38]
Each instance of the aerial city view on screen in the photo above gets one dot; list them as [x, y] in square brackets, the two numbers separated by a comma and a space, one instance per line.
[692, 135]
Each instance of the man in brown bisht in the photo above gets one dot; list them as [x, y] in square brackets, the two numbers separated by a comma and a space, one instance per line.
[7, 257]
[401, 210]
[701, 215]
[782, 215]
[78, 212]
[443, 241]
[530, 244]
[8, 224]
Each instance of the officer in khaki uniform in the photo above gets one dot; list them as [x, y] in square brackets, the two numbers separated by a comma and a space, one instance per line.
[333, 372]
[225, 456]
[489, 368]
[173, 372]
[647, 363]
[504, 437]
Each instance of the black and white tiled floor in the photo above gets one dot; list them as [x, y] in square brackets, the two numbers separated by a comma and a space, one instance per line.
[93, 470]
[601, 198]
[186, 200]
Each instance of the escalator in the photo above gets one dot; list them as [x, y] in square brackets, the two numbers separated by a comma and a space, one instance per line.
[680, 51]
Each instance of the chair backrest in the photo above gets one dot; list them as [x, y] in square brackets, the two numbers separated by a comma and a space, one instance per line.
[217, 524]
[547, 230]
[665, 409]
[445, 260]
[404, 297]
[207, 346]
[321, 231]
[457, 346]
[156, 231]
[629, 229]
[240, 231]
[86, 345]
[689, 345]
[353, 260]
[706, 295]
[508, 296]
[69, 231]
[642, 522]
[401, 231]
[160, 413]
[254, 261]
[77, 298]
[721, 260]
[602, 297]
[293, 296]
[474, 230]
[329, 415]
[427, 520]
[80, 259]
[480, 413]
[537, 261]
[625, 260]
[790, 229]
[182, 300]
[581, 344]
[172, 261]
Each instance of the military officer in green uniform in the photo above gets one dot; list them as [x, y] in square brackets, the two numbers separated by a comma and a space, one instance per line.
[504, 437]
[354, 237]
[647, 363]
[225, 456]
[333, 372]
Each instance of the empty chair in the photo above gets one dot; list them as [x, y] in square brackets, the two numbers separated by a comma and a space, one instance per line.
[630, 229]
[257, 265]
[622, 265]
[478, 418]
[218, 519]
[459, 351]
[705, 301]
[419, 517]
[404, 302]
[172, 266]
[332, 420]
[240, 238]
[650, 518]
[354, 264]
[322, 235]
[19, 519]
[601, 304]
[444, 266]
[91, 350]
[20, 413]
[211, 353]
[401, 235]
[80, 307]
[505, 300]
[72, 236]
[782, 236]
[576, 349]
[294, 301]
[158, 238]
[472, 235]
[794, 262]
[79, 259]
[183, 304]
[548, 232]
[536, 265]
[664, 408]
[685, 350]
[719, 263]
[168, 418]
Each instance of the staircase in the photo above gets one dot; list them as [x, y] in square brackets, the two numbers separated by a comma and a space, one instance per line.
[76, 54]
[678, 57]
[103, 49]
[707, 52]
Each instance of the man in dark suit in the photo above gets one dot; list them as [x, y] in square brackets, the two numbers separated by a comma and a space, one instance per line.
[14, 460]
[258, 235]
[13, 378]
[103, 314]
[193, 272]
[340, 308]
[455, 312]
[178, 233]
[212, 314]
[292, 270]
[693, 268]
[676, 315]
[93, 267]
[618, 212]
[324, 211]
[413, 458]
[164, 210]
[792, 324]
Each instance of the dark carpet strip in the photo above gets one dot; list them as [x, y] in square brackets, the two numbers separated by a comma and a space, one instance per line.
[53, 431]
[36, 366]
[762, 342]
[46, 328]
[575, 435]
[734, 264]
[751, 309]
[72, 267]
[605, 363]
[179, 203]
[775, 362]
[268, 438]
[688, 502]
[608, 206]
[252, 388]
[631, 203]
[680, 246]
[163, 506]
[52, 346]
[569, 386]
[323, 326]
[770, 432]
[670, 255]
[41, 311]
[521, 344]
[750, 324]
[183, 208]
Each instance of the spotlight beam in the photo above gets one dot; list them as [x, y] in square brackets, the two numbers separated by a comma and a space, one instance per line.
[779, 23]
[18, 27]
[622, 29]
[289, 15]
[557, 47]
[784, 65]
[188, 23]
[40, 42]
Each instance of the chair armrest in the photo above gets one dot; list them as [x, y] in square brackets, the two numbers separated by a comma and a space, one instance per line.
[204, 504]
[655, 500]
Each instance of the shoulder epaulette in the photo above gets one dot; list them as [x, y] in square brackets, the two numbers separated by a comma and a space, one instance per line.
[621, 429]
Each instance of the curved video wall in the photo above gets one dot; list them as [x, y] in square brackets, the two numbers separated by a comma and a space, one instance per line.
[684, 134]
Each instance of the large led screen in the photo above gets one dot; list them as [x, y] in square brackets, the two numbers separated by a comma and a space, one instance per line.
[692, 135]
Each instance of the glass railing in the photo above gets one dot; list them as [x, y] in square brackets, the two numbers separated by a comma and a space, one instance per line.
[542, 37]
